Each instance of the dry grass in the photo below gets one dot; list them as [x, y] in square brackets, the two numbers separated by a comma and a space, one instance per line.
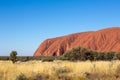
[61, 70]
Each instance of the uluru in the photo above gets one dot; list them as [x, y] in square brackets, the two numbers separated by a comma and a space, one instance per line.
[103, 40]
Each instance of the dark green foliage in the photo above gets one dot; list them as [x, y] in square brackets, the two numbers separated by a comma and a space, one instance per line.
[101, 56]
[25, 59]
[81, 53]
[118, 55]
[48, 59]
[13, 56]
[109, 55]
[95, 54]
[28, 58]
[75, 54]
[89, 56]
[106, 55]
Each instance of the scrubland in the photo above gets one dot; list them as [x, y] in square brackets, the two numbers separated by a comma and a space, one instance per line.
[60, 70]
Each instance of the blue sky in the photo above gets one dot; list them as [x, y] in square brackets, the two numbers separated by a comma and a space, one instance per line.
[24, 24]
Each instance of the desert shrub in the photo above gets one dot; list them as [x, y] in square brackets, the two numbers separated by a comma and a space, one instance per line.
[74, 54]
[48, 59]
[64, 77]
[80, 53]
[118, 55]
[61, 73]
[101, 56]
[21, 77]
[90, 55]
[95, 54]
[61, 58]
[109, 55]
[40, 76]
[25, 59]
[4, 57]
[61, 70]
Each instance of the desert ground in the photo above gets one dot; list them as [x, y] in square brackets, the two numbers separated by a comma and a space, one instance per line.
[60, 70]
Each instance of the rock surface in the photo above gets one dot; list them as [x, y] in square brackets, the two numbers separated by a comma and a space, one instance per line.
[101, 40]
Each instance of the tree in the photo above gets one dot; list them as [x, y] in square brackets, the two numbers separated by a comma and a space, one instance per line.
[13, 56]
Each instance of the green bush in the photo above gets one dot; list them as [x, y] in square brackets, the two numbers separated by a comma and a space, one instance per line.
[81, 53]
[109, 55]
[47, 59]
[101, 56]
[118, 55]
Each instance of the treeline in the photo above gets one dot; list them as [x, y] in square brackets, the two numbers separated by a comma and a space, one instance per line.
[28, 58]
[81, 53]
[77, 53]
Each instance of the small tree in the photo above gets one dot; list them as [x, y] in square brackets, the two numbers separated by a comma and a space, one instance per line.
[13, 56]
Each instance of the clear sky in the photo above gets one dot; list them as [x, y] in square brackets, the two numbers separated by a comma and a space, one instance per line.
[24, 24]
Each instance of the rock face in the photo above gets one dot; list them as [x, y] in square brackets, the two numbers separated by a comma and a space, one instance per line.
[101, 40]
